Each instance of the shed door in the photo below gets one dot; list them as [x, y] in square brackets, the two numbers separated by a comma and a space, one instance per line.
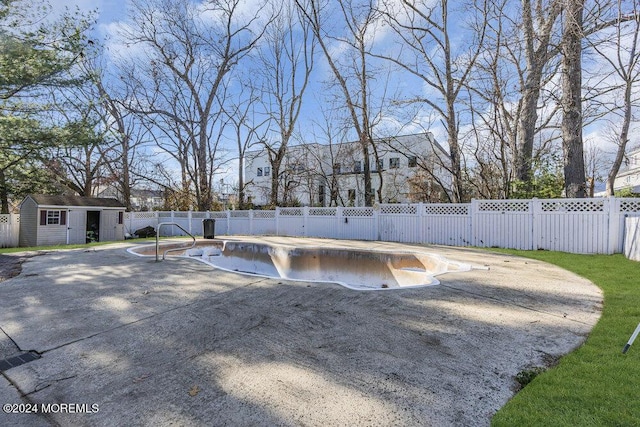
[109, 226]
[76, 229]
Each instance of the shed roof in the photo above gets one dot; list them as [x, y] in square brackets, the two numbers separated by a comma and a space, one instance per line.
[61, 200]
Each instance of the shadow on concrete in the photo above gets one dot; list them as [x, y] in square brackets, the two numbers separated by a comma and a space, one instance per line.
[178, 342]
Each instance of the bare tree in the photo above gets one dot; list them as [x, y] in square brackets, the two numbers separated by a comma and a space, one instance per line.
[539, 22]
[616, 91]
[572, 145]
[188, 50]
[286, 60]
[427, 52]
[247, 125]
[352, 69]
[326, 156]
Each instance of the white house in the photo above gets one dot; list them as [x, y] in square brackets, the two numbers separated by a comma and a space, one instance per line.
[629, 174]
[404, 169]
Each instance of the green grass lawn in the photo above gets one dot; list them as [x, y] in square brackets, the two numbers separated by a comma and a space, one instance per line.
[596, 385]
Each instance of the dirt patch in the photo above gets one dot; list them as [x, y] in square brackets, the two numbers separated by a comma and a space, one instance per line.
[11, 266]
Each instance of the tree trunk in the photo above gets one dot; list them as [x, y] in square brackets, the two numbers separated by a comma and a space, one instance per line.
[622, 143]
[275, 179]
[4, 193]
[368, 188]
[574, 172]
[537, 36]
[240, 182]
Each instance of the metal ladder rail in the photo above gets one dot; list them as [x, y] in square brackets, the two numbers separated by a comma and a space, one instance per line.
[174, 249]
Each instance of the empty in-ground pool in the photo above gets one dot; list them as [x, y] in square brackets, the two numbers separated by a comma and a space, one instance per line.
[352, 268]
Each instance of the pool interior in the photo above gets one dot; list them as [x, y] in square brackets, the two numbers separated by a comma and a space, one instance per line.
[352, 268]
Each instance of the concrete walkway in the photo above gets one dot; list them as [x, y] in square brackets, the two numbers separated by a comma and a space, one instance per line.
[179, 343]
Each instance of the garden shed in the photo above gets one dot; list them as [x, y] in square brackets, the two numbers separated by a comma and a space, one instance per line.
[60, 220]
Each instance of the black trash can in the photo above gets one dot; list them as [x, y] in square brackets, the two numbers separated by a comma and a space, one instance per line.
[209, 228]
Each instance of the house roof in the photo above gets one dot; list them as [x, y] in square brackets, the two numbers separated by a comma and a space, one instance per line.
[61, 200]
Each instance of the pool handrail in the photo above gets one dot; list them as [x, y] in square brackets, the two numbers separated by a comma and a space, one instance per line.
[173, 249]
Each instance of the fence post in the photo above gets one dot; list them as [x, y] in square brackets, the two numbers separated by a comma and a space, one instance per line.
[535, 207]
[156, 214]
[251, 222]
[376, 222]
[277, 215]
[305, 220]
[420, 215]
[473, 212]
[615, 232]
[339, 219]
[14, 230]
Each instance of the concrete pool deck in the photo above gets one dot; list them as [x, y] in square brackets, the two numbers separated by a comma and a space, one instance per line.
[179, 343]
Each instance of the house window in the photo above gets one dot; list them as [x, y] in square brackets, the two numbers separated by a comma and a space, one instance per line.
[380, 164]
[57, 217]
[413, 161]
[336, 168]
[357, 166]
[394, 163]
[352, 195]
[321, 195]
[267, 171]
[259, 171]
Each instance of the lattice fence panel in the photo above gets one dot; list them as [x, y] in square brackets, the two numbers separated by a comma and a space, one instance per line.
[142, 215]
[198, 215]
[503, 206]
[239, 214]
[357, 212]
[291, 212]
[629, 205]
[398, 209]
[323, 211]
[446, 209]
[218, 214]
[264, 214]
[580, 205]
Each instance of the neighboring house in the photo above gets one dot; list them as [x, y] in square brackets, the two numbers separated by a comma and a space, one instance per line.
[333, 175]
[146, 200]
[142, 199]
[629, 175]
[60, 220]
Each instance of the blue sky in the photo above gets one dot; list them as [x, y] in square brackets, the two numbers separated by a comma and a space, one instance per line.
[112, 11]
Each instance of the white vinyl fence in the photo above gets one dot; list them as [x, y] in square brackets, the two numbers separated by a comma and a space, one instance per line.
[569, 225]
[9, 230]
[632, 238]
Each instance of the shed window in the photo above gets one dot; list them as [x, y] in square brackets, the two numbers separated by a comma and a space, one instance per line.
[120, 217]
[56, 217]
